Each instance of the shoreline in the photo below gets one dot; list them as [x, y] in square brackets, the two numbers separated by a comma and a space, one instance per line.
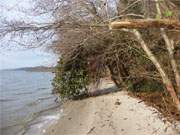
[39, 122]
[43, 121]
[27, 96]
[111, 114]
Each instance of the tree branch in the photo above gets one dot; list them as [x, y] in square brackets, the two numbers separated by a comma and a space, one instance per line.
[145, 23]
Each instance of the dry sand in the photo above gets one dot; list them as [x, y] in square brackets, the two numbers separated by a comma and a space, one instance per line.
[112, 114]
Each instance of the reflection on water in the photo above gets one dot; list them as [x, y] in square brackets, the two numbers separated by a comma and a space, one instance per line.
[23, 96]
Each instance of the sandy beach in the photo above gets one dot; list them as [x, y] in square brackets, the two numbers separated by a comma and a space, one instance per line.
[111, 114]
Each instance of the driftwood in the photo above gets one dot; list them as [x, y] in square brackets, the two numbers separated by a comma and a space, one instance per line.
[146, 23]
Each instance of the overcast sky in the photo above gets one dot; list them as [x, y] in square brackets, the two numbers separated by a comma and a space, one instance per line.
[15, 58]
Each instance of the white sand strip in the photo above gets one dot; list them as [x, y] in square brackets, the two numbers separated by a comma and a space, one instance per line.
[112, 114]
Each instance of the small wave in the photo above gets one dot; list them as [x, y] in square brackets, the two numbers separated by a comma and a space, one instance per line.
[43, 88]
[6, 100]
[39, 120]
[50, 108]
[44, 98]
[39, 100]
[39, 127]
[24, 93]
[32, 103]
[28, 121]
[52, 117]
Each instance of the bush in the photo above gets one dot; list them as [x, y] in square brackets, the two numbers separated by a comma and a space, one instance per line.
[71, 80]
[146, 85]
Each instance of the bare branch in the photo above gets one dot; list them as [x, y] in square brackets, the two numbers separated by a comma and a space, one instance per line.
[146, 23]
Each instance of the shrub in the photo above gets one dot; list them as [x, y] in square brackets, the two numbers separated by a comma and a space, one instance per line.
[71, 80]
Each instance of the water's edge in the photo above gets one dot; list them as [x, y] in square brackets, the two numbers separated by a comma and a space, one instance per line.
[27, 104]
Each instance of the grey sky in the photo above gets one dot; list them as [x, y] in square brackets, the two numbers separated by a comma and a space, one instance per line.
[14, 58]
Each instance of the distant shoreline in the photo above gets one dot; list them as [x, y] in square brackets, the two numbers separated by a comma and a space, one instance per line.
[33, 69]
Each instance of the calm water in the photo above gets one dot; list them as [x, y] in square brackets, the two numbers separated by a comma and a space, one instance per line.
[24, 98]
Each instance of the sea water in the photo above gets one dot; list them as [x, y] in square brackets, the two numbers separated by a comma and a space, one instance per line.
[26, 102]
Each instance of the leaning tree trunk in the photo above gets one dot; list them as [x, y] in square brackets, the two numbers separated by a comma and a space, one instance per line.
[119, 73]
[160, 23]
[114, 76]
[163, 74]
[172, 59]
[146, 23]
[169, 47]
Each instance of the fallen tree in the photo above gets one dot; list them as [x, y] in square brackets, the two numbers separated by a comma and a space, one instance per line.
[88, 49]
[132, 26]
[146, 23]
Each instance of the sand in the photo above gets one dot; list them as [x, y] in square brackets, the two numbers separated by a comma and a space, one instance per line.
[112, 114]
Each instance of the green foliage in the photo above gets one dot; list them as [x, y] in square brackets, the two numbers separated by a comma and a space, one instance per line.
[130, 85]
[71, 80]
[168, 13]
[146, 86]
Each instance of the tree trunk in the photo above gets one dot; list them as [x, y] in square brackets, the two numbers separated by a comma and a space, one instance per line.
[172, 59]
[163, 74]
[119, 73]
[145, 23]
[114, 76]
[169, 46]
